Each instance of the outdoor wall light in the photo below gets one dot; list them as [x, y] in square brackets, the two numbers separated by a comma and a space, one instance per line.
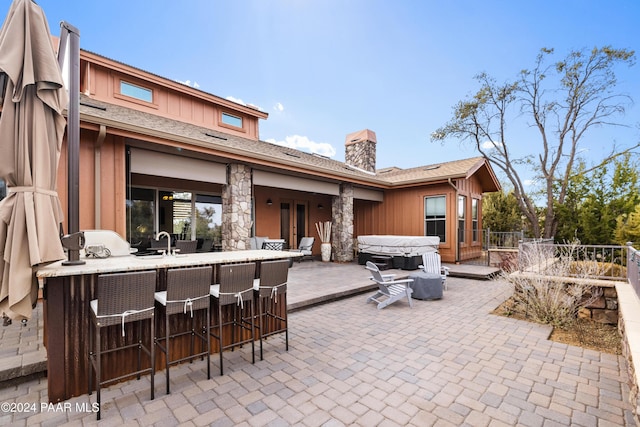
[269, 202]
[320, 206]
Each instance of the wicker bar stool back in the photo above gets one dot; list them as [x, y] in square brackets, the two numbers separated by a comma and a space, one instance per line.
[122, 298]
[187, 292]
[234, 290]
[272, 315]
[186, 246]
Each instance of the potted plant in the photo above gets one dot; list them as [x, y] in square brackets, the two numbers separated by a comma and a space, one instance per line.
[324, 232]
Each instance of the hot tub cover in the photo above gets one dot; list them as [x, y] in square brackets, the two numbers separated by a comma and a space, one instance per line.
[398, 245]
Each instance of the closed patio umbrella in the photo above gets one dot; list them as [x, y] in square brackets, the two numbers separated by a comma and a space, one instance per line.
[31, 131]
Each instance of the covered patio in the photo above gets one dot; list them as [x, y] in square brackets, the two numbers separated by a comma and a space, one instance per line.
[446, 362]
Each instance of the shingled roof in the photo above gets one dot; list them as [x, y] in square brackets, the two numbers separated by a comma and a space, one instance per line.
[271, 156]
[218, 143]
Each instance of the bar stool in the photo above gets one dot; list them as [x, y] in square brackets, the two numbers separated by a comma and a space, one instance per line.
[272, 283]
[186, 246]
[187, 291]
[235, 289]
[122, 298]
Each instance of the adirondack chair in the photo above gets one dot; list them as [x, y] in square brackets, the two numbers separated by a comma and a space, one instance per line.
[389, 290]
[431, 264]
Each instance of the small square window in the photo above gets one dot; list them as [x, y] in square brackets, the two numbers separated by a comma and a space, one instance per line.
[231, 120]
[137, 92]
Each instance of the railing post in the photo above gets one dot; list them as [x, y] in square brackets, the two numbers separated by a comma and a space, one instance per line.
[633, 268]
[486, 238]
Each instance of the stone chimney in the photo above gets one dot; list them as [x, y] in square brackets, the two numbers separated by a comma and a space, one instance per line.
[360, 150]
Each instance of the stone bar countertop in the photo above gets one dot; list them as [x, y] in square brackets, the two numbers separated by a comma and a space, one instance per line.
[138, 263]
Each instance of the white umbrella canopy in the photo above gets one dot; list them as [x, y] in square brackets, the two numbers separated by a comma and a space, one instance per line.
[31, 131]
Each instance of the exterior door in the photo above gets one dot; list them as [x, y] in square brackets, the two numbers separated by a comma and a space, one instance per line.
[293, 221]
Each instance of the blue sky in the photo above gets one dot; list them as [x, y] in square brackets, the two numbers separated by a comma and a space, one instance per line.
[326, 68]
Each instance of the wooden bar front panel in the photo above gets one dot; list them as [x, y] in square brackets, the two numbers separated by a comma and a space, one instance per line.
[68, 321]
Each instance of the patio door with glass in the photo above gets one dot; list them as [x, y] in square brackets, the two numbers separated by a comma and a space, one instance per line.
[183, 214]
[293, 221]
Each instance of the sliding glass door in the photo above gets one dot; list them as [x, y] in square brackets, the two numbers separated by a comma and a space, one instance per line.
[150, 211]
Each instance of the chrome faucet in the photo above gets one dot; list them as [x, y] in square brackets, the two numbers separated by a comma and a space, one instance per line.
[164, 233]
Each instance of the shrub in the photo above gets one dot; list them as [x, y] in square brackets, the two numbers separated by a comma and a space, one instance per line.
[542, 294]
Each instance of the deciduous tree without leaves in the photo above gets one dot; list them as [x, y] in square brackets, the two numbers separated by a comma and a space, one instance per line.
[563, 101]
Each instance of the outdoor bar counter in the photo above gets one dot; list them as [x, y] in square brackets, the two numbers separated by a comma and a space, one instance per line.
[67, 291]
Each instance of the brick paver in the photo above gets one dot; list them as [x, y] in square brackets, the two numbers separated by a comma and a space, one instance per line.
[445, 362]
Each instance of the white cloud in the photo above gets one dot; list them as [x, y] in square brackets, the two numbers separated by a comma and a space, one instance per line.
[530, 182]
[278, 107]
[188, 83]
[303, 143]
[236, 100]
[241, 102]
[489, 145]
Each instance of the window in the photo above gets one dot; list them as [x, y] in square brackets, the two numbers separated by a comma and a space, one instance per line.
[3, 189]
[138, 92]
[141, 208]
[174, 212]
[462, 213]
[231, 120]
[474, 219]
[436, 217]
[208, 210]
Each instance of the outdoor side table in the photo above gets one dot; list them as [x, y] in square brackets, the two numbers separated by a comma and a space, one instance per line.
[426, 285]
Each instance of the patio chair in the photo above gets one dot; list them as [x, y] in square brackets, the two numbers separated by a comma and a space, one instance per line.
[207, 246]
[268, 288]
[122, 298]
[158, 244]
[273, 244]
[431, 264]
[305, 248]
[389, 290]
[234, 290]
[187, 291]
[186, 246]
[256, 242]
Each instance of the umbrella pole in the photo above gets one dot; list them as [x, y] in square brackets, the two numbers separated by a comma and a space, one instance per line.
[75, 239]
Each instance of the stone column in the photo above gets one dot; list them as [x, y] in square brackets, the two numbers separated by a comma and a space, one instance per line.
[236, 208]
[342, 228]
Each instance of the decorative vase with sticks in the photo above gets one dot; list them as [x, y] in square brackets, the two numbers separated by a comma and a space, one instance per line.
[324, 232]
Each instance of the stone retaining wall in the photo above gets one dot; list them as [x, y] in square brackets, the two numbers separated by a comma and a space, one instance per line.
[605, 308]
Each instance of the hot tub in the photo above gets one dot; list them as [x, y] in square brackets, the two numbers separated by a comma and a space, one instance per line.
[405, 251]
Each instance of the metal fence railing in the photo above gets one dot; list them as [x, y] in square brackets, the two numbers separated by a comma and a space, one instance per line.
[595, 261]
[502, 239]
[633, 265]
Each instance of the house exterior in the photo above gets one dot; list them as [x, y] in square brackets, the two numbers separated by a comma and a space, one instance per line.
[157, 155]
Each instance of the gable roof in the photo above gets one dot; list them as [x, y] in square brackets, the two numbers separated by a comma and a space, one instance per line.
[456, 169]
[141, 125]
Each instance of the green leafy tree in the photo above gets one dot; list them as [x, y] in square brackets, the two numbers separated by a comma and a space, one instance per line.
[628, 228]
[500, 212]
[205, 227]
[595, 200]
[609, 198]
[568, 213]
[562, 101]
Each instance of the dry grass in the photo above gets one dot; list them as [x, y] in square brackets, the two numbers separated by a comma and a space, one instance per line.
[583, 333]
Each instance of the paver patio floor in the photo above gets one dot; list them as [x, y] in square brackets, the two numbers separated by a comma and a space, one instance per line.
[444, 362]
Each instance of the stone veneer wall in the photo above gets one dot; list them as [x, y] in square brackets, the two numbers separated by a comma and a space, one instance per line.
[604, 309]
[236, 208]
[634, 398]
[342, 228]
[361, 154]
